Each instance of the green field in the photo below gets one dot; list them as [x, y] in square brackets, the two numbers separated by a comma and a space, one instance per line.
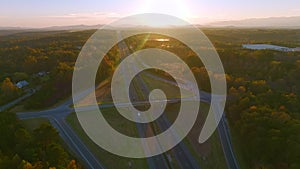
[32, 124]
[213, 156]
[109, 160]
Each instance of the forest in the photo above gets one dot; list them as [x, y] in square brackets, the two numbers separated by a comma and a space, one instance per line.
[263, 86]
[41, 148]
[263, 96]
[29, 53]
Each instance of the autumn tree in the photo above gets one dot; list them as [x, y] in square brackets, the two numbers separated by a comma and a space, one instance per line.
[8, 88]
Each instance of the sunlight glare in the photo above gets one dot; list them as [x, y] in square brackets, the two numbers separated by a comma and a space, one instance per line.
[176, 8]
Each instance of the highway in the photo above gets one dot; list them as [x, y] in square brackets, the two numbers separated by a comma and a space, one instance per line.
[144, 130]
[58, 114]
[223, 129]
[182, 155]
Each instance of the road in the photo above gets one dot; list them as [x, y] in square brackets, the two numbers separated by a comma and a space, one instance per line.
[182, 155]
[223, 129]
[57, 116]
[185, 160]
[144, 130]
[11, 104]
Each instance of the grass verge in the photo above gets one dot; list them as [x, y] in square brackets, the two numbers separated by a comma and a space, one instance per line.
[31, 124]
[237, 146]
[109, 160]
[209, 154]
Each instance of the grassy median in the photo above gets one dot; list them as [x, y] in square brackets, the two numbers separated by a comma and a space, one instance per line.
[109, 160]
[209, 154]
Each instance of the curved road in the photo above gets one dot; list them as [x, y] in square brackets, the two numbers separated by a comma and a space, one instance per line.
[57, 116]
[185, 160]
[223, 129]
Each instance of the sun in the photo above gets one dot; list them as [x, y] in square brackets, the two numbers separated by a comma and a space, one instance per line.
[176, 8]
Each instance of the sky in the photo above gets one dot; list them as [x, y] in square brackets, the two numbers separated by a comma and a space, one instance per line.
[44, 13]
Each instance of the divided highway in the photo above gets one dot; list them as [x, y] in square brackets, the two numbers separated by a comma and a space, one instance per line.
[182, 155]
[144, 130]
[223, 129]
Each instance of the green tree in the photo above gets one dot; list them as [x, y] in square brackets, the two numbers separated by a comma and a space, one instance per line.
[56, 155]
[45, 135]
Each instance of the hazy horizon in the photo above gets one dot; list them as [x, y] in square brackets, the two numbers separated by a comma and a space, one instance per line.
[220, 23]
[38, 14]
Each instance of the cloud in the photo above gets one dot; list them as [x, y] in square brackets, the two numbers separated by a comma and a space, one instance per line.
[79, 18]
[96, 16]
[61, 20]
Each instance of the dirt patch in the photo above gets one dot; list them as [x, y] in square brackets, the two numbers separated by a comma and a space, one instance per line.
[102, 94]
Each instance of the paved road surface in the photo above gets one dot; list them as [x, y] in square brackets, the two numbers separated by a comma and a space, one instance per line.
[158, 161]
[11, 104]
[57, 117]
[223, 129]
[182, 154]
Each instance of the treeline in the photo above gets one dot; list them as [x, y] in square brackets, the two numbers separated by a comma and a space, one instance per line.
[263, 86]
[54, 52]
[263, 107]
[38, 149]
[263, 91]
[29, 53]
[263, 97]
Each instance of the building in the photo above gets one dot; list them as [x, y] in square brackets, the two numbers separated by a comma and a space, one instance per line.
[22, 84]
[42, 73]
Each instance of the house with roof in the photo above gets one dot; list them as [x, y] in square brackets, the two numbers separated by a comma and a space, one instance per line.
[22, 84]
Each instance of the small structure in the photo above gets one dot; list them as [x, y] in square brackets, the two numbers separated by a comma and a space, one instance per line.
[22, 84]
[42, 73]
[267, 46]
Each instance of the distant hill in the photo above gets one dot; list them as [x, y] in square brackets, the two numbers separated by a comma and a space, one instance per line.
[13, 28]
[273, 22]
[72, 27]
[277, 22]
[54, 28]
[4, 31]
